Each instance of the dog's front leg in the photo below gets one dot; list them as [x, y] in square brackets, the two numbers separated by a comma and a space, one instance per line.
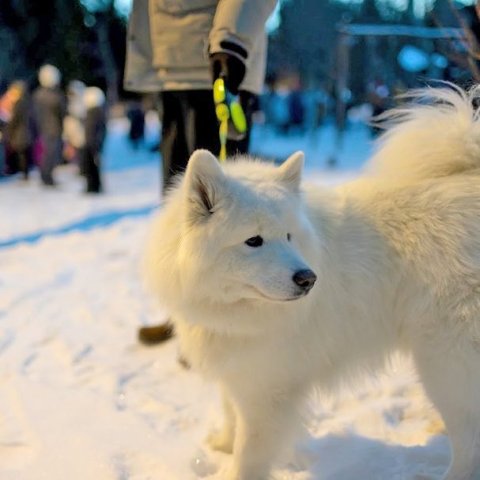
[264, 423]
[449, 374]
[223, 439]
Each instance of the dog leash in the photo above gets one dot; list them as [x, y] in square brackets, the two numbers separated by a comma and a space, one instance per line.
[230, 115]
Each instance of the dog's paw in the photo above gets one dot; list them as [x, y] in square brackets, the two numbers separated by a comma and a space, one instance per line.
[221, 441]
[234, 472]
[230, 472]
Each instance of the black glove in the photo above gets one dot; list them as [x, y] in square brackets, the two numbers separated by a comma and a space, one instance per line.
[230, 68]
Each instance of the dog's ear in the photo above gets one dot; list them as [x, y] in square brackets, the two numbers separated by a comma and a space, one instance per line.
[290, 171]
[204, 180]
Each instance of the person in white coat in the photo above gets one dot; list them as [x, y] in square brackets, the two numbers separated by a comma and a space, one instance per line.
[178, 48]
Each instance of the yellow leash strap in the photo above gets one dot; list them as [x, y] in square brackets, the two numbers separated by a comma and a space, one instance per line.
[223, 116]
[228, 110]
[223, 131]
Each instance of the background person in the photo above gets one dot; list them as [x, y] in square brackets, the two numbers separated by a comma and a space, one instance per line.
[49, 108]
[74, 123]
[178, 49]
[95, 133]
[19, 129]
[136, 116]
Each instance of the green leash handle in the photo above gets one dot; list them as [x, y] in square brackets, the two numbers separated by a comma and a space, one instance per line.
[229, 113]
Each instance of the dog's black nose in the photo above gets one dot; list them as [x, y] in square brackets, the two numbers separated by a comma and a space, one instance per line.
[304, 279]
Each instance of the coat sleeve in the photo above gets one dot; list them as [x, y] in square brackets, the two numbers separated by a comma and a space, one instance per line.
[238, 24]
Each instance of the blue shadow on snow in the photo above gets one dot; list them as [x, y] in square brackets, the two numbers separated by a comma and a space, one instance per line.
[84, 225]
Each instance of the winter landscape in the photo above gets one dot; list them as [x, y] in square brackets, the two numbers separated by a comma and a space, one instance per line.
[81, 399]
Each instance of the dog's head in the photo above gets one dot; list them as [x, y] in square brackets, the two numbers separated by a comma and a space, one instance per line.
[244, 234]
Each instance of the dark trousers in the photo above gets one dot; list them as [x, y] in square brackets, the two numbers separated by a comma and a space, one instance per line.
[51, 157]
[24, 162]
[17, 161]
[91, 169]
[189, 122]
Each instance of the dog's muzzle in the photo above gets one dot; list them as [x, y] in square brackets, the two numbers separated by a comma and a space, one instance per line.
[305, 279]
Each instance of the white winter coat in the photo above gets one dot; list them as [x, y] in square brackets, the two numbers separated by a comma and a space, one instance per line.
[169, 42]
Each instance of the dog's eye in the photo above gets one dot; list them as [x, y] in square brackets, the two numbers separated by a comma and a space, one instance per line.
[289, 236]
[255, 241]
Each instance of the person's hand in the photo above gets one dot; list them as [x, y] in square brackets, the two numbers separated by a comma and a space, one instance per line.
[230, 68]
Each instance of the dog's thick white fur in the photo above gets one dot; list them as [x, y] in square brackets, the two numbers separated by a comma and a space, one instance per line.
[397, 260]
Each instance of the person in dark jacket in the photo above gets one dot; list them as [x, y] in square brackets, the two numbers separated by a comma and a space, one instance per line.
[95, 133]
[49, 108]
[19, 130]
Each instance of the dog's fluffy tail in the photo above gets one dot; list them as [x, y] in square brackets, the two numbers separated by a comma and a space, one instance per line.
[437, 133]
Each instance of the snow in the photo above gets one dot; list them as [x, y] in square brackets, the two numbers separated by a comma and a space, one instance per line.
[81, 399]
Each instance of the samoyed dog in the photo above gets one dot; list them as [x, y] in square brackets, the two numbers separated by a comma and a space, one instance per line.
[276, 287]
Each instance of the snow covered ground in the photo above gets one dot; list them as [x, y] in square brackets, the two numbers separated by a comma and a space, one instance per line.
[80, 399]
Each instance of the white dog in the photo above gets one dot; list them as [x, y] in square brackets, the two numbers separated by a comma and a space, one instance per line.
[276, 287]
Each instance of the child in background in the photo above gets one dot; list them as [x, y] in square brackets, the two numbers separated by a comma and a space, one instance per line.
[74, 122]
[136, 115]
[95, 132]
